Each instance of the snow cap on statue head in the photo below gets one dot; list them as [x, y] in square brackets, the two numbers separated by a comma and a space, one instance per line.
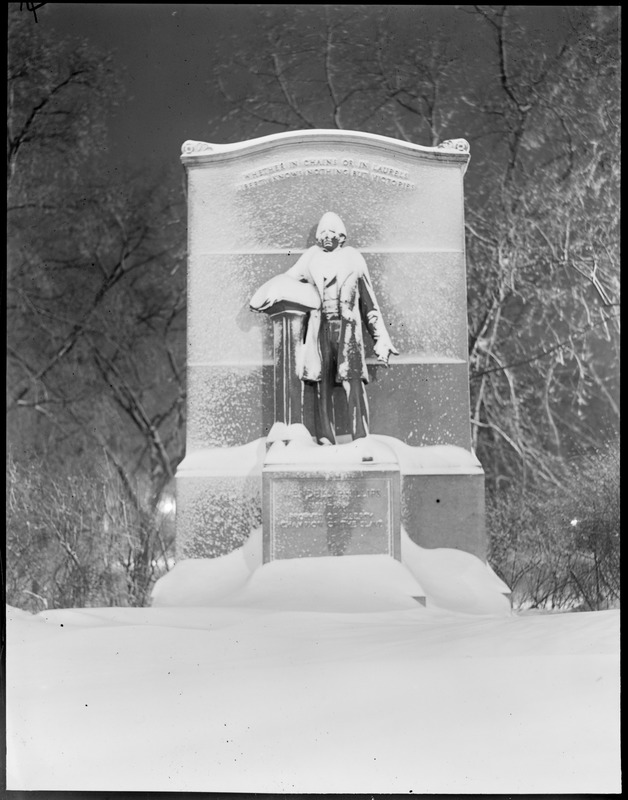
[331, 221]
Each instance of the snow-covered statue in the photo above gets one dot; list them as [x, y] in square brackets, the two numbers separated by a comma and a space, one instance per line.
[339, 296]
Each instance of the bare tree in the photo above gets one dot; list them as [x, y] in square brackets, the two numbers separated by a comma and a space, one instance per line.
[96, 296]
[542, 196]
[543, 252]
[337, 67]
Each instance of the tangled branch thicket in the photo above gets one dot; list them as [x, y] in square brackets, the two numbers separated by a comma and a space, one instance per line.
[560, 550]
[76, 540]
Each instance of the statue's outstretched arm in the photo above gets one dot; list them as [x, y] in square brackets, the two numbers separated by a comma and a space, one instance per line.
[373, 319]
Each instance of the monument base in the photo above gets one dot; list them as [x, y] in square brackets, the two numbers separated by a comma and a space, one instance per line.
[218, 499]
[351, 507]
[446, 510]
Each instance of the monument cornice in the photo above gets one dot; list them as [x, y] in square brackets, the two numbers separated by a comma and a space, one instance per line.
[195, 153]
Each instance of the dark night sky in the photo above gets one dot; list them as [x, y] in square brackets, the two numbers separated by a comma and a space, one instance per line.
[164, 51]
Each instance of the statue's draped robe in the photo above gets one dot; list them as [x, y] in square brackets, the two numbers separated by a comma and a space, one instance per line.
[357, 303]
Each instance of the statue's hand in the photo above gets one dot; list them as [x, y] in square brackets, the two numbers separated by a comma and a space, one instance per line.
[383, 350]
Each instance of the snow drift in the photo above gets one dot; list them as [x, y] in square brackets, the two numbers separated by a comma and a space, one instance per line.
[306, 677]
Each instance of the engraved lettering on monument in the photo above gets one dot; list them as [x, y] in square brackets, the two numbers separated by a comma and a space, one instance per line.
[307, 167]
[348, 513]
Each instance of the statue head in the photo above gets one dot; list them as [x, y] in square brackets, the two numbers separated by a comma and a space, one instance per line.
[331, 232]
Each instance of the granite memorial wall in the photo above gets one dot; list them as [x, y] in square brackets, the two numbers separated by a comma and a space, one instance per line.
[253, 209]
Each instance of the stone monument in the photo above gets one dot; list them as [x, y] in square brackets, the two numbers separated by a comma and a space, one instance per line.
[297, 420]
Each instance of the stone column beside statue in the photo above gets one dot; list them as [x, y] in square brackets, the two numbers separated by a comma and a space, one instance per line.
[288, 303]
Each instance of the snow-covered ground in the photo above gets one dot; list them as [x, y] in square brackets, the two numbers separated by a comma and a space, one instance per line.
[316, 675]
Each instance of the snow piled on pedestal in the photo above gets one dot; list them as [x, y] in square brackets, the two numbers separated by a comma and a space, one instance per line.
[337, 584]
[448, 579]
[293, 444]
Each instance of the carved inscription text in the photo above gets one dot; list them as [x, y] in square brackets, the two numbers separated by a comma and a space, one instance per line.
[307, 167]
[356, 504]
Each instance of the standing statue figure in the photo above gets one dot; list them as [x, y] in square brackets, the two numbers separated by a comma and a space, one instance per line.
[333, 348]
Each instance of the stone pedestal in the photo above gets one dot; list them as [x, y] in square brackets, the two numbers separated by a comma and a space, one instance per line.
[288, 322]
[445, 508]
